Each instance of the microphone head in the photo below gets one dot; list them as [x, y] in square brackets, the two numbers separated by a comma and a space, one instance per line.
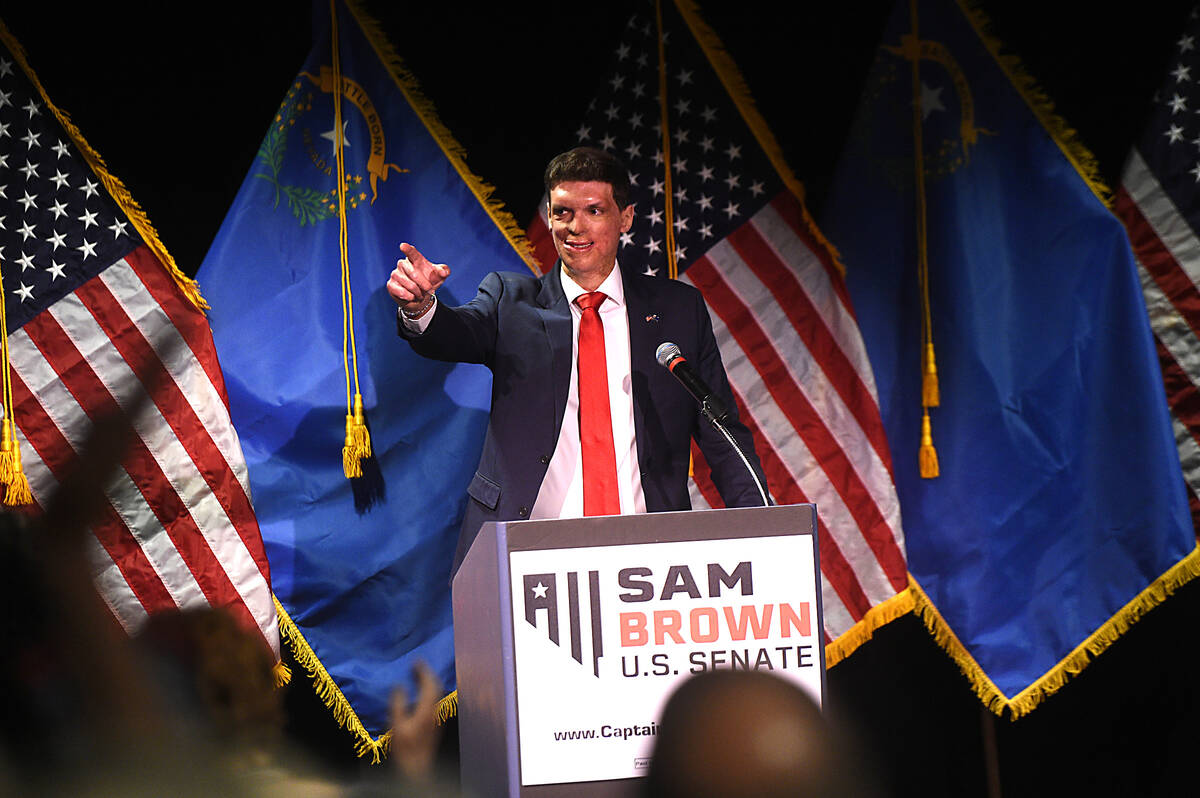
[666, 353]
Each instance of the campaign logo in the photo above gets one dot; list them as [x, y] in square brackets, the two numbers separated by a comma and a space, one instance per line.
[541, 602]
[673, 620]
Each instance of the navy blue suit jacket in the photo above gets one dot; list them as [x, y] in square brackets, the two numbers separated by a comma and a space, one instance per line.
[519, 326]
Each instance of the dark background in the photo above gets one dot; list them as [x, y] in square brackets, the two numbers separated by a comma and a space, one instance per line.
[176, 98]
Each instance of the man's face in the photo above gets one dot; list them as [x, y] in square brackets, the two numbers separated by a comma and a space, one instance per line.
[586, 225]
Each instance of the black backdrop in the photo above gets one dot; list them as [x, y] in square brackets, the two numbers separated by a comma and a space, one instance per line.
[177, 97]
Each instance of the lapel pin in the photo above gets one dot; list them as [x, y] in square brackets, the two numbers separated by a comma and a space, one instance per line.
[652, 317]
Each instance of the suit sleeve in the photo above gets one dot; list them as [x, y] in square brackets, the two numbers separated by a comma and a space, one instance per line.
[463, 334]
[729, 473]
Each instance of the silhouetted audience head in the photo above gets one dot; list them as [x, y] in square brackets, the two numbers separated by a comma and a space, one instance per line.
[748, 733]
[220, 671]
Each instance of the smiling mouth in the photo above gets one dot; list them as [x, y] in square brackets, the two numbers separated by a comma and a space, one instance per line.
[578, 246]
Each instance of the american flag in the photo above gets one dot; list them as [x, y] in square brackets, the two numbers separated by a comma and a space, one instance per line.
[780, 309]
[95, 319]
[1159, 202]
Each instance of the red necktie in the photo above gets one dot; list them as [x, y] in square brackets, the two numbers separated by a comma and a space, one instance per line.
[600, 495]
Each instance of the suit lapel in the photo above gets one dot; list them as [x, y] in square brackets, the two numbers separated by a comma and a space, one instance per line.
[556, 325]
[643, 330]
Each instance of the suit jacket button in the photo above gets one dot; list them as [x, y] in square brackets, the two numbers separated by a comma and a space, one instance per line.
[523, 512]
[544, 459]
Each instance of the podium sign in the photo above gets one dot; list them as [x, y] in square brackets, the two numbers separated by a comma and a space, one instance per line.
[602, 618]
[603, 636]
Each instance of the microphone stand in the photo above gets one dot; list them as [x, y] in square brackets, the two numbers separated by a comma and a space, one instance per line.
[706, 407]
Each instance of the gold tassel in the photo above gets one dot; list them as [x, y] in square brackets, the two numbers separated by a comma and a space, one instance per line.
[930, 395]
[358, 441]
[8, 458]
[928, 455]
[18, 493]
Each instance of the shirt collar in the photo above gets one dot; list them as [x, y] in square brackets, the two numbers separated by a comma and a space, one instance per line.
[612, 287]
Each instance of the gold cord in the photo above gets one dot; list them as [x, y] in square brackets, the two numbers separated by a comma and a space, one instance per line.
[927, 455]
[358, 440]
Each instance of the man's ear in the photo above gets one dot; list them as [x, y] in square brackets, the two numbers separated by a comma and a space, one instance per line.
[627, 218]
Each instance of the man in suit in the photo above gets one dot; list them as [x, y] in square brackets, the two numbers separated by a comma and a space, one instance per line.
[542, 457]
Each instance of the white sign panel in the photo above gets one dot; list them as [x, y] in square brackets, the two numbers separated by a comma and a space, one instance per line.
[602, 636]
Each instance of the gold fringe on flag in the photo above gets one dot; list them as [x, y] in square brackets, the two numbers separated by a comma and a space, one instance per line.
[881, 614]
[1073, 663]
[447, 708]
[281, 674]
[333, 698]
[327, 689]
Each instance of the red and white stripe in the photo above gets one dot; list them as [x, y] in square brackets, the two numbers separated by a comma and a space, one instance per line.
[803, 385]
[178, 530]
[1168, 256]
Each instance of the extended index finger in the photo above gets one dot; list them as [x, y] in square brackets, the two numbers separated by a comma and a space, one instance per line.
[415, 257]
[435, 273]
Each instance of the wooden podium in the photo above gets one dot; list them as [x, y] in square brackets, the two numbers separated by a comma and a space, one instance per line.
[570, 635]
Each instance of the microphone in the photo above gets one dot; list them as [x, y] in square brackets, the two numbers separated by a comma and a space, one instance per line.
[671, 358]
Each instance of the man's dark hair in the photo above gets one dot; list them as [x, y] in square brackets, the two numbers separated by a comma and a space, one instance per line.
[586, 164]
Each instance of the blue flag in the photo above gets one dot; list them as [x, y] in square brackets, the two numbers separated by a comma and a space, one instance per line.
[1058, 515]
[361, 566]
